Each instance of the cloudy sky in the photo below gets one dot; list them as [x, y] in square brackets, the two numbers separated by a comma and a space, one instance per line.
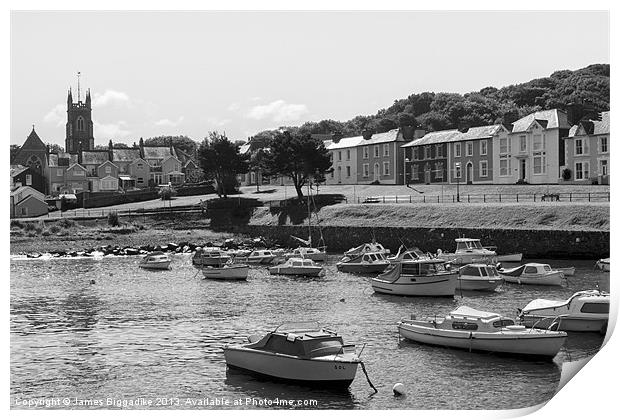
[157, 73]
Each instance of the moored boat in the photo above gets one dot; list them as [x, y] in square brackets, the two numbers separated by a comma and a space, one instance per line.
[260, 256]
[408, 254]
[603, 264]
[428, 277]
[474, 330]
[297, 267]
[298, 352]
[468, 251]
[228, 271]
[478, 277]
[374, 247]
[156, 261]
[368, 262]
[314, 254]
[210, 256]
[533, 273]
[587, 310]
[509, 257]
[568, 271]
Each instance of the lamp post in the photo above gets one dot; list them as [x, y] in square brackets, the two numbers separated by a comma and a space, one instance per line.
[458, 179]
[407, 160]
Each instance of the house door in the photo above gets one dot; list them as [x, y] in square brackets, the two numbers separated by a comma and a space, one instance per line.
[469, 173]
[377, 173]
[522, 170]
[427, 174]
[339, 174]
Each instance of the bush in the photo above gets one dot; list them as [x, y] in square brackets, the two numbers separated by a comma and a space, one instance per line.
[46, 233]
[66, 223]
[54, 229]
[113, 219]
[166, 193]
[17, 224]
[29, 227]
[566, 174]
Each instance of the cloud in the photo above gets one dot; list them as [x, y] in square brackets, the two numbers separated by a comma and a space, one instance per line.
[278, 111]
[165, 122]
[218, 122]
[57, 115]
[111, 131]
[234, 107]
[111, 97]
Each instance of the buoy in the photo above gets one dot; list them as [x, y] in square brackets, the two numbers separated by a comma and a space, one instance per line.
[398, 389]
[92, 281]
[342, 300]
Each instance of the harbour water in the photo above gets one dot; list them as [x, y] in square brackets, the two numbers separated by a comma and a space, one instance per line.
[98, 329]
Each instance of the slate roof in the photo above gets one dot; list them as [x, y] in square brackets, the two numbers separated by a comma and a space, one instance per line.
[348, 142]
[597, 127]
[377, 138]
[62, 159]
[125, 154]
[483, 132]
[17, 169]
[554, 117]
[434, 137]
[94, 157]
[33, 142]
[156, 152]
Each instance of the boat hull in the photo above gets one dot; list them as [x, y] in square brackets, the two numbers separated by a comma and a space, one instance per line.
[553, 279]
[542, 344]
[296, 271]
[361, 268]
[568, 271]
[603, 264]
[226, 273]
[568, 323]
[509, 258]
[315, 256]
[439, 285]
[324, 372]
[158, 265]
[478, 283]
[210, 260]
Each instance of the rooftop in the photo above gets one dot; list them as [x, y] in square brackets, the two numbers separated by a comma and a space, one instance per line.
[95, 157]
[555, 119]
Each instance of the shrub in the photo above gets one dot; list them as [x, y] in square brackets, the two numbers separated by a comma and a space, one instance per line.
[166, 193]
[566, 174]
[46, 233]
[54, 229]
[17, 224]
[113, 219]
[66, 223]
[29, 227]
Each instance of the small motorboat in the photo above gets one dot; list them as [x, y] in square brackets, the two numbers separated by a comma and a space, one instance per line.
[374, 247]
[210, 256]
[533, 273]
[228, 271]
[408, 254]
[297, 352]
[156, 261]
[428, 277]
[261, 256]
[568, 271]
[584, 311]
[478, 277]
[314, 254]
[368, 262]
[468, 251]
[603, 264]
[297, 267]
[468, 328]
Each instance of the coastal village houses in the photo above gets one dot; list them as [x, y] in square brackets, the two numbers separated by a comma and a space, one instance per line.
[586, 151]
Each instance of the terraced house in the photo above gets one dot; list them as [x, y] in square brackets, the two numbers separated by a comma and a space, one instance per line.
[343, 154]
[426, 159]
[587, 152]
[380, 156]
[471, 154]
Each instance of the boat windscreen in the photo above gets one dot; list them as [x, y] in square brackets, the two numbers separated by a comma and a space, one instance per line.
[299, 326]
[323, 347]
[280, 344]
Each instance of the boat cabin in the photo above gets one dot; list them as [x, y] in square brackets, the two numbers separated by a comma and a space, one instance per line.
[427, 267]
[585, 302]
[156, 256]
[306, 251]
[300, 262]
[535, 268]
[466, 318]
[262, 253]
[211, 252]
[468, 245]
[478, 270]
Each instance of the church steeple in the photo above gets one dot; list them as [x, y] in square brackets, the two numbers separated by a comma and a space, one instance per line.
[88, 98]
[69, 98]
[79, 127]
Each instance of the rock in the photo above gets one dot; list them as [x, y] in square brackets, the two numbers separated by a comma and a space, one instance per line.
[398, 389]
[131, 251]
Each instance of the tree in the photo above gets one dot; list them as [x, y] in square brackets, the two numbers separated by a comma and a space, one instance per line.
[298, 156]
[14, 149]
[258, 164]
[55, 148]
[184, 143]
[220, 160]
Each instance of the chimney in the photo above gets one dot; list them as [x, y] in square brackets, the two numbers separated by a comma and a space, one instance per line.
[337, 136]
[367, 133]
[418, 134]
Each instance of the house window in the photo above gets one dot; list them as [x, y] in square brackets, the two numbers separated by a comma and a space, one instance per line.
[331, 174]
[484, 169]
[538, 142]
[581, 147]
[602, 145]
[339, 156]
[139, 166]
[28, 179]
[457, 149]
[427, 152]
[252, 177]
[439, 150]
[58, 172]
[522, 143]
[386, 150]
[504, 145]
[582, 171]
[483, 148]
[603, 169]
[457, 171]
[77, 172]
[414, 172]
[348, 171]
[469, 148]
[504, 166]
[416, 154]
[365, 170]
[366, 153]
[348, 154]
[386, 168]
[439, 170]
[140, 180]
[376, 151]
[108, 169]
[540, 163]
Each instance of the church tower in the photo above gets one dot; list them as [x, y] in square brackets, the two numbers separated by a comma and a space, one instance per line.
[79, 128]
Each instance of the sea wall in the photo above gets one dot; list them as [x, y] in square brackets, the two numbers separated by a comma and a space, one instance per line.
[532, 243]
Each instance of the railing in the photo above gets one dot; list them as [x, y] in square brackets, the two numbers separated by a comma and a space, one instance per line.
[485, 198]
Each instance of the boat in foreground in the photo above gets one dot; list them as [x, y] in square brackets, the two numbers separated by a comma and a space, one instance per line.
[587, 310]
[156, 261]
[297, 267]
[428, 277]
[533, 273]
[470, 329]
[228, 271]
[479, 277]
[603, 264]
[210, 256]
[297, 352]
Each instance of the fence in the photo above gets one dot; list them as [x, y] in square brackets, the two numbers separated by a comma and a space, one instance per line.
[485, 198]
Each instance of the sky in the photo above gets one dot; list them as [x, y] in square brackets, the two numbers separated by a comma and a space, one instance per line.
[173, 73]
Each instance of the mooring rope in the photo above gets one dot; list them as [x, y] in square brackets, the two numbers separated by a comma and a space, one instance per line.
[367, 378]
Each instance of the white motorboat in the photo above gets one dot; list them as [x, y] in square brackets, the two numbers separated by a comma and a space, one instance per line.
[478, 277]
[468, 251]
[210, 256]
[374, 247]
[533, 273]
[298, 352]
[429, 277]
[508, 257]
[603, 264]
[568, 271]
[314, 254]
[228, 271]
[408, 254]
[261, 256]
[584, 311]
[367, 262]
[468, 328]
[156, 261]
[297, 267]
